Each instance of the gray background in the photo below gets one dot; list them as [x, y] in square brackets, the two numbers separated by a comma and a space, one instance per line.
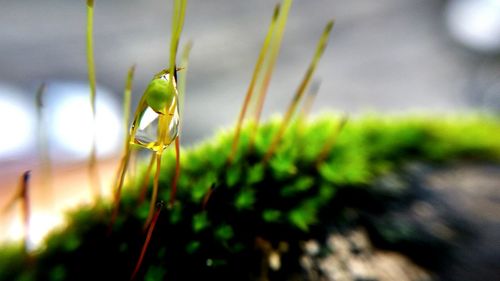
[384, 56]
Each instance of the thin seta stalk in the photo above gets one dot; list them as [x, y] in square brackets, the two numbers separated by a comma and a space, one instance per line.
[309, 100]
[182, 89]
[127, 149]
[22, 196]
[305, 111]
[251, 88]
[124, 163]
[300, 91]
[159, 207]
[145, 180]
[92, 164]
[127, 98]
[330, 143]
[43, 144]
[273, 56]
[164, 120]
[181, 85]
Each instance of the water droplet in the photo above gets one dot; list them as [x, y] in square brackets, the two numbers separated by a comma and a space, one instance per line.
[147, 131]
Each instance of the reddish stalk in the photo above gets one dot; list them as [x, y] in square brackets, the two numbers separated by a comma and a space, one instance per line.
[117, 196]
[25, 201]
[207, 197]
[273, 56]
[306, 107]
[127, 149]
[250, 91]
[148, 239]
[300, 92]
[308, 103]
[330, 143]
[154, 195]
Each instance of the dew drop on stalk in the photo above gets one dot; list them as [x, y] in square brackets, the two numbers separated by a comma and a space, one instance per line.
[147, 133]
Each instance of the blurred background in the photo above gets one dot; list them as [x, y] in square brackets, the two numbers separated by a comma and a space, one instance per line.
[386, 56]
[389, 56]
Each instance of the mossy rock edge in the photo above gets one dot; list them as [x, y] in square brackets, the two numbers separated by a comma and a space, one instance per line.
[290, 199]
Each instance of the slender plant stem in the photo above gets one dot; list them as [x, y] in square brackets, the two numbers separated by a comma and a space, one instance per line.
[181, 83]
[154, 196]
[177, 172]
[273, 56]
[43, 144]
[26, 210]
[300, 91]
[145, 181]
[127, 96]
[309, 101]
[250, 90]
[305, 111]
[177, 25]
[92, 164]
[330, 143]
[163, 126]
[146, 242]
[123, 167]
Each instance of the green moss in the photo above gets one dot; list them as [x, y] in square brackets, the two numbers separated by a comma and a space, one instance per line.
[200, 222]
[283, 200]
[245, 199]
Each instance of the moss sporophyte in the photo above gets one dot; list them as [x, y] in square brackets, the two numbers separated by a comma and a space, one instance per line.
[156, 124]
[248, 197]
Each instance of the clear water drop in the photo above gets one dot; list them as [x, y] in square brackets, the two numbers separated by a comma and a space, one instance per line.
[147, 131]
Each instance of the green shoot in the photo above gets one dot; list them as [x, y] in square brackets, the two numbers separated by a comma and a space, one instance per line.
[300, 91]
[92, 165]
[255, 75]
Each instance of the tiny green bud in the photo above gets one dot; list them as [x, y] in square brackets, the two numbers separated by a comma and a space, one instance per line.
[160, 94]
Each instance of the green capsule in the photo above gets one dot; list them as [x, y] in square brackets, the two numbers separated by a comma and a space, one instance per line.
[160, 93]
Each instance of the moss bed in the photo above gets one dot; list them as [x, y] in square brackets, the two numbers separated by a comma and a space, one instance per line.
[292, 198]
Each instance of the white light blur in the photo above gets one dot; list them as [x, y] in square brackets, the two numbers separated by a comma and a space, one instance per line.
[475, 23]
[71, 123]
[41, 223]
[17, 123]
